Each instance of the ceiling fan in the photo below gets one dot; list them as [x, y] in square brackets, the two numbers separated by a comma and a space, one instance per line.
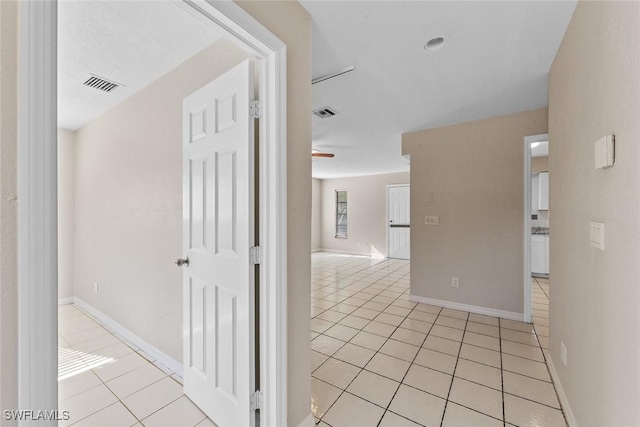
[317, 153]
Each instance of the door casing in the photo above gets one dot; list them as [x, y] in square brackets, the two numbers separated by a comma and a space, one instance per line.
[37, 204]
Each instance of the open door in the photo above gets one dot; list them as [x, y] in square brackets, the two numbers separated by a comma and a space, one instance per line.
[399, 213]
[218, 233]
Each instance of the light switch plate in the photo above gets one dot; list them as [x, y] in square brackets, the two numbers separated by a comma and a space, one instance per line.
[596, 234]
[605, 152]
[431, 220]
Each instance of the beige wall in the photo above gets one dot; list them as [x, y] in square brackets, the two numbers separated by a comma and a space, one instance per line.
[539, 164]
[8, 207]
[471, 176]
[367, 213]
[129, 202]
[66, 212]
[594, 90]
[316, 213]
[290, 22]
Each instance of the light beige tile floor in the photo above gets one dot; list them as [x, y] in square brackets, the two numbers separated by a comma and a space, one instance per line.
[379, 359]
[540, 309]
[105, 381]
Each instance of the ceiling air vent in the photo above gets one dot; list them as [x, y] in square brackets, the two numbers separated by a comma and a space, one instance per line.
[325, 113]
[101, 84]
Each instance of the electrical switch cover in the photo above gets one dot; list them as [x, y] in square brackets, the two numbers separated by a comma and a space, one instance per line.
[605, 152]
[431, 220]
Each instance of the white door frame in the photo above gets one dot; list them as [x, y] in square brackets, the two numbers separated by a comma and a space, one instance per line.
[528, 140]
[387, 213]
[37, 202]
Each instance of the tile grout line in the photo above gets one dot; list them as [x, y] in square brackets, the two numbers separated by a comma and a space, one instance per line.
[341, 302]
[358, 329]
[438, 351]
[429, 332]
[401, 382]
[453, 375]
[500, 351]
[504, 415]
[361, 368]
[102, 382]
[119, 400]
[564, 416]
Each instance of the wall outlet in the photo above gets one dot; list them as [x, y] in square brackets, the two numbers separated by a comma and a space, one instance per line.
[563, 353]
[455, 282]
[95, 287]
[431, 220]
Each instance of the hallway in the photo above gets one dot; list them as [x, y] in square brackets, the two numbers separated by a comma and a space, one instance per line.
[379, 359]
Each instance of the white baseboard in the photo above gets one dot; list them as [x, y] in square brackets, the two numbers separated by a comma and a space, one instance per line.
[316, 250]
[309, 421]
[123, 332]
[335, 251]
[511, 315]
[66, 301]
[564, 402]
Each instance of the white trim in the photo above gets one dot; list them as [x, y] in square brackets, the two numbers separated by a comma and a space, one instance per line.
[564, 402]
[37, 205]
[511, 315]
[127, 335]
[528, 140]
[309, 421]
[335, 251]
[316, 250]
[66, 301]
[37, 210]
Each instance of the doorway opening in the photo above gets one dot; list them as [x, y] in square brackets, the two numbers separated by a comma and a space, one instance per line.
[537, 234]
[39, 320]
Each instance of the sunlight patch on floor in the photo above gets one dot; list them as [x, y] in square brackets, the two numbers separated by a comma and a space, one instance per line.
[73, 362]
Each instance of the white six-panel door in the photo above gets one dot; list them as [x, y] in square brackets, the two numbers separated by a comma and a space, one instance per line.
[398, 201]
[218, 300]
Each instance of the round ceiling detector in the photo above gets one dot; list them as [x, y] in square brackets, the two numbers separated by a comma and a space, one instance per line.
[436, 43]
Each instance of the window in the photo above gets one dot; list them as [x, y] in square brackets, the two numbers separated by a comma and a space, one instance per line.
[341, 214]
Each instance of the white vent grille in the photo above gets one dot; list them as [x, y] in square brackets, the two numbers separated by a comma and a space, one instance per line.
[325, 113]
[101, 84]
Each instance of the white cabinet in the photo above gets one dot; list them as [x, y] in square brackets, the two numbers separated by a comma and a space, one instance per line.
[535, 193]
[543, 191]
[539, 254]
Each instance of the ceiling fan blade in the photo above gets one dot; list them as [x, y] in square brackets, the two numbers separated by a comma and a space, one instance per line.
[323, 155]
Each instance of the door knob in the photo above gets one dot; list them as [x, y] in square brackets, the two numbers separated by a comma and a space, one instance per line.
[182, 261]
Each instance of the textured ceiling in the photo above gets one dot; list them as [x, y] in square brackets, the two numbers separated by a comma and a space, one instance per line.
[496, 62]
[128, 42]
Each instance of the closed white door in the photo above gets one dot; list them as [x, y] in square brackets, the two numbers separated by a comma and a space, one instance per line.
[399, 212]
[218, 297]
